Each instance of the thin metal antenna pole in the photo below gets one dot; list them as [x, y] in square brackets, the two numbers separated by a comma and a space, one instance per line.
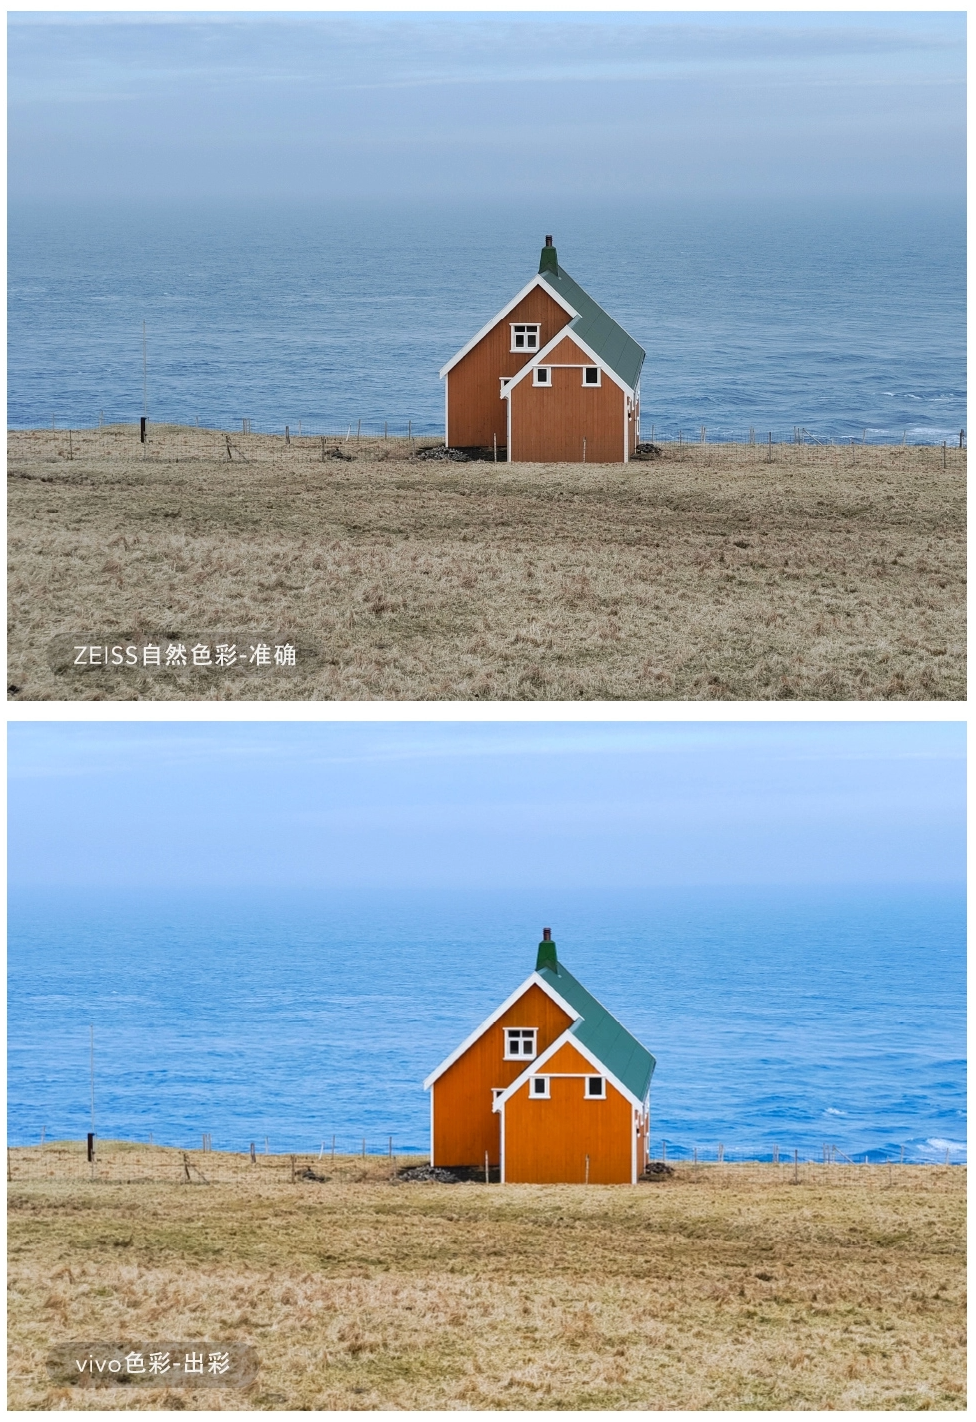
[92, 1031]
[145, 404]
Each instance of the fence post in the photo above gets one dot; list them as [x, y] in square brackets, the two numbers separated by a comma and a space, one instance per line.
[943, 454]
[486, 1168]
[586, 1177]
[962, 435]
[796, 1167]
[721, 1152]
[769, 457]
[384, 429]
[254, 1156]
[142, 428]
[287, 435]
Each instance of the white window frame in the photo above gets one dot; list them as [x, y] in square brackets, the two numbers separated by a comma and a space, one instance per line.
[591, 1096]
[521, 1056]
[544, 384]
[525, 327]
[534, 1094]
[592, 384]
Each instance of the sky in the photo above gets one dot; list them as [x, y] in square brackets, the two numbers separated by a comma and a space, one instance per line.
[492, 107]
[266, 805]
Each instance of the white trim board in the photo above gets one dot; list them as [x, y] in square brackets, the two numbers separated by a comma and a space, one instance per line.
[510, 1001]
[537, 280]
[568, 1038]
[565, 334]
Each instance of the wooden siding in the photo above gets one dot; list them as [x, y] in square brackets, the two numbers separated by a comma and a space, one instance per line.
[476, 413]
[547, 1140]
[464, 1124]
[568, 353]
[549, 423]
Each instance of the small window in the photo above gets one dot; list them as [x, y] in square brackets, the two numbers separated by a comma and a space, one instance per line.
[539, 1087]
[541, 376]
[520, 1042]
[595, 1087]
[591, 375]
[525, 338]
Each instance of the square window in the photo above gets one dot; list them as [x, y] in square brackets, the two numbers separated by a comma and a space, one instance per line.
[539, 1086]
[520, 1042]
[595, 1087]
[591, 375]
[525, 337]
[541, 376]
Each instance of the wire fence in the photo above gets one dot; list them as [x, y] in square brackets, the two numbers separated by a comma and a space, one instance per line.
[373, 1162]
[800, 435]
[169, 443]
[378, 440]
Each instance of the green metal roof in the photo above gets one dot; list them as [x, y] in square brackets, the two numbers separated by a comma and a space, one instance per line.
[600, 332]
[600, 1031]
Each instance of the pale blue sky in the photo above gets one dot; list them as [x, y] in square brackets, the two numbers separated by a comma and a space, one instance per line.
[490, 106]
[491, 806]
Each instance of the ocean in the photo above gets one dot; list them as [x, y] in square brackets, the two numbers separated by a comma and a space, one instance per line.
[778, 1019]
[846, 320]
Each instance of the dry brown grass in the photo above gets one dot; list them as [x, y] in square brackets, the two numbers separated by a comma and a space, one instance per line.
[710, 573]
[727, 1288]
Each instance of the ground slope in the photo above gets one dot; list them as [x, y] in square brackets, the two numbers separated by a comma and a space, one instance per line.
[708, 573]
[726, 1287]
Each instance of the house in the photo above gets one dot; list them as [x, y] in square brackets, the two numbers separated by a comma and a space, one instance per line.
[550, 377]
[550, 1088]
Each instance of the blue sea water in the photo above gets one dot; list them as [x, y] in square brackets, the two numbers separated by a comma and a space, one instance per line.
[846, 319]
[777, 1018]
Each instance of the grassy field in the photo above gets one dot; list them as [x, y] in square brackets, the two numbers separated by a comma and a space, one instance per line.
[828, 573]
[725, 1287]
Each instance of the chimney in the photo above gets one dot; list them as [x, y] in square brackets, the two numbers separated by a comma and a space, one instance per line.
[548, 261]
[546, 957]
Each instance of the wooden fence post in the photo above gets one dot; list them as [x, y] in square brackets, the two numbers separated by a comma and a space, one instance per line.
[586, 1177]
[254, 1157]
[486, 1168]
[796, 1167]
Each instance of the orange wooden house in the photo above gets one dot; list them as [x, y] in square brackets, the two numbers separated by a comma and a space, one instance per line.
[550, 1088]
[551, 377]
